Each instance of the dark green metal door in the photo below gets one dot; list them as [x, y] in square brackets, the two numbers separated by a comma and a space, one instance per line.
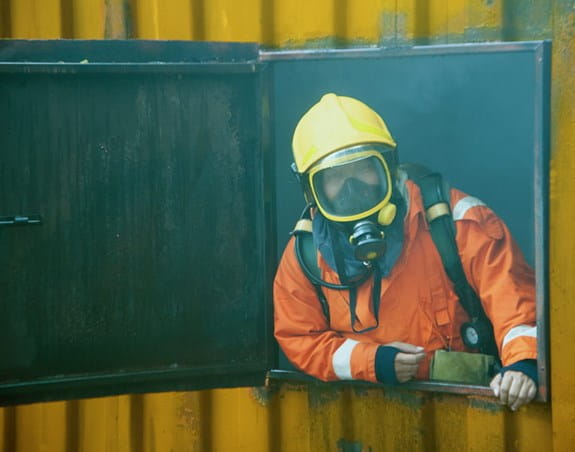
[148, 270]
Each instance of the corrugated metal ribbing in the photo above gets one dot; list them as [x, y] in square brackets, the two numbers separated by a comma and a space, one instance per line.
[275, 23]
[304, 418]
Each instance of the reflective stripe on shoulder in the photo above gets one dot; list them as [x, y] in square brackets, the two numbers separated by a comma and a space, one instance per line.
[518, 331]
[463, 205]
[341, 360]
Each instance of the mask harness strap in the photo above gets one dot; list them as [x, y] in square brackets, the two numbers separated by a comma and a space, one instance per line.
[339, 262]
[375, 300]
[306, 255]
[303, 234]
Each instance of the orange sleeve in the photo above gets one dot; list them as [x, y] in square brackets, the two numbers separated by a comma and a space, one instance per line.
[303, 333]
[505, 283]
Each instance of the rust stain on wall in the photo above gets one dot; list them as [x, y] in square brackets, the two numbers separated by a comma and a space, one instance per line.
[118, 23]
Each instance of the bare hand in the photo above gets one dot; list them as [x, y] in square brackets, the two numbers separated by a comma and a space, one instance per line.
[514, 389]
[407, 360]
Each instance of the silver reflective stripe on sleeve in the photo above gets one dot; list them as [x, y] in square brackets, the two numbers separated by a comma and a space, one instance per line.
[463, 205]
[341, 360]
[518, 331]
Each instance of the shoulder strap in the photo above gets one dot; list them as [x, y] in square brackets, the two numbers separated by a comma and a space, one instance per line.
[435, 196]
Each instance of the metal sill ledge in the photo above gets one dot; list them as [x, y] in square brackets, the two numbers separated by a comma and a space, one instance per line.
[435, 386]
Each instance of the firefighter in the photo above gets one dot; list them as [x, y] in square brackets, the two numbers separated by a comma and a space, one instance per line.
[381, 307]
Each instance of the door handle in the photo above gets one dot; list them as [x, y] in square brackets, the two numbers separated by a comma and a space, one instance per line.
[20, 220]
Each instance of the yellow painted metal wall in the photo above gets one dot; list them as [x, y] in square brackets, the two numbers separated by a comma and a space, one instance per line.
[299, 418]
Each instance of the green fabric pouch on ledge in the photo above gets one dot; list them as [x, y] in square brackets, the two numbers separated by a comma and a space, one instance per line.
[462, 367]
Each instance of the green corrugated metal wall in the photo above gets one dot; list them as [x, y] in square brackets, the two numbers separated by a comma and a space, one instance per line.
[288, 417]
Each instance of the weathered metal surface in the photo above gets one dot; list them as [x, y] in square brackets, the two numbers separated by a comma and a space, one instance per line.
[150, 187]
[188, 421]
[562, 239]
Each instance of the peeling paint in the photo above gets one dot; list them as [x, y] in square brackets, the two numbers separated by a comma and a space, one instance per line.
[118, 24]
[319, 43]
[362, 391]
[482, 34]
[323, 394]
[486, 403]
[188, 419]
[408, 398]
[263, 394]
[394, 30]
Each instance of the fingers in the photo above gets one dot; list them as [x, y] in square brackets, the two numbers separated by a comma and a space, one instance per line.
[496, 385]
[405, 375]
[514, 389]
[521, 398]
[406, 365]
[408, 358]
[524, 395]
[406, 348]
[505, 386]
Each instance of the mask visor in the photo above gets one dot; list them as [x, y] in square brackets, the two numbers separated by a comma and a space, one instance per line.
[350, 186]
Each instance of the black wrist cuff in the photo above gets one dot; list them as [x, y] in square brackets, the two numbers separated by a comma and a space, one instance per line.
[526, 366]
[385, 364]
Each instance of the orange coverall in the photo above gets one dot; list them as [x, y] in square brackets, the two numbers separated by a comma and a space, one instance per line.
[418, 304]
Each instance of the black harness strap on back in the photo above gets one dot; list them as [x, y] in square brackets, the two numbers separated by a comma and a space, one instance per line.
[442, 229]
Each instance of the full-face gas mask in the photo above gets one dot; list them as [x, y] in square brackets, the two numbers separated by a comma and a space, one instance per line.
[353, 187]
[344, 157]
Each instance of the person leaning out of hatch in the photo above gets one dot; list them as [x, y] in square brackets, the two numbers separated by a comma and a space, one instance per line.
[362, 292]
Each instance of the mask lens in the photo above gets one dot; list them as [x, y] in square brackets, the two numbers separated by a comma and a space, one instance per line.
[351, 188]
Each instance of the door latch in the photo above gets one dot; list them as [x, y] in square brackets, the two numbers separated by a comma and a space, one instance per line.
[20, 220]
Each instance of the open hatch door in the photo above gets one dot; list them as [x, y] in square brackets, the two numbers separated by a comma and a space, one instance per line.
[132, 197]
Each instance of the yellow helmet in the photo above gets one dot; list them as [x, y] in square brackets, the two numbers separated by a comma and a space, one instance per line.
[334, 123]
[339, 146]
